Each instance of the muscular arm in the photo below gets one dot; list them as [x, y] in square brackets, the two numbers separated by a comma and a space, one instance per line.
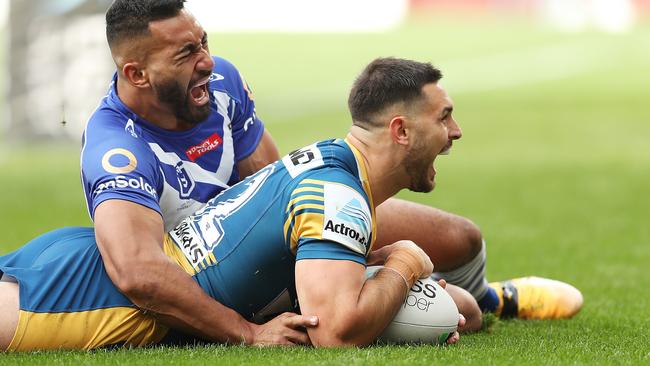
[351, 310]
[265, 153]
[129, 237]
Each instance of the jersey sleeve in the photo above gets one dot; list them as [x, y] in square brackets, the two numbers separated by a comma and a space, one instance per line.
[329, 219]
[119, 166]
[247, 128]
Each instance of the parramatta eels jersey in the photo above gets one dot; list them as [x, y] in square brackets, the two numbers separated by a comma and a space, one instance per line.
[175, 173]
[242, 246]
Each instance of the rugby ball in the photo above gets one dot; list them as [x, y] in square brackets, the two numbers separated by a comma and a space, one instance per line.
[428, 315]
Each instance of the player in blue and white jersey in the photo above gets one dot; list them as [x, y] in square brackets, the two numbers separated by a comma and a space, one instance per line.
[176, 128]
[126, 157]
[299, 231]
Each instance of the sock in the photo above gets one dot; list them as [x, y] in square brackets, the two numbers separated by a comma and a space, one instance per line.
[471, 277]
[489, 303]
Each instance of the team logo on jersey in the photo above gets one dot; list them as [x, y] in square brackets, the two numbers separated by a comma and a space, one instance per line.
[216, 77]
[204, 147]
[301, 160]
[185, 181]
[347, 218]
[130, 128]
[119, 161]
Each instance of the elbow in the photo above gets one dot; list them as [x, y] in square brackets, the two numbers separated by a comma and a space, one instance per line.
[341, 333]
[136, 281]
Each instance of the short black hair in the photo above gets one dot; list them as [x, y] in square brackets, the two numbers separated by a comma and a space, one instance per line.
[127, 19]
[385, 82]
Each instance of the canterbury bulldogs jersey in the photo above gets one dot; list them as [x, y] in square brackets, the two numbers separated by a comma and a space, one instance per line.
[175, 173]
[242, 246]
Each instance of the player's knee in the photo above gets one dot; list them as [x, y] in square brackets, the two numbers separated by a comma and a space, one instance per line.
[9, 309]
[467, 306]
[469, 236]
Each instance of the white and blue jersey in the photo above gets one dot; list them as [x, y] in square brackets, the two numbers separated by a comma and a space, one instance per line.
[174, 173]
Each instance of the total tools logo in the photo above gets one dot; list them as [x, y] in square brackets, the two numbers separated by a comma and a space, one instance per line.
[347, 218]
[211, 143]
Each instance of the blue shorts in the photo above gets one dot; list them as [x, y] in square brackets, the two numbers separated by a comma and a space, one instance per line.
[67, 300]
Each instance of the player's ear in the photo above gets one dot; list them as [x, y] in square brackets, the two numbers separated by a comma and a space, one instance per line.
[135, 74]
[398, 131]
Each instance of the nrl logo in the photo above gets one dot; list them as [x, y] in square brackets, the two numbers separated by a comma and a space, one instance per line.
[186, 183]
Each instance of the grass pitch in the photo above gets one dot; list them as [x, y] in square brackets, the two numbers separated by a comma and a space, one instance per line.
[553, 166]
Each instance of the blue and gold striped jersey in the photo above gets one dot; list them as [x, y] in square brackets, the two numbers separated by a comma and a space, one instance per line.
[242, 246]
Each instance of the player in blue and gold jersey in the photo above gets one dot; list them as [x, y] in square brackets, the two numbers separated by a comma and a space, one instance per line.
[242, 247]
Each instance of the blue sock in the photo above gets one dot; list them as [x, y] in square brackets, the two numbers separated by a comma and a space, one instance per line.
[490, 301]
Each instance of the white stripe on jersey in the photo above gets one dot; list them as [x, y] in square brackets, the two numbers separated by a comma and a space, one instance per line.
[228, 156]
[174, 208]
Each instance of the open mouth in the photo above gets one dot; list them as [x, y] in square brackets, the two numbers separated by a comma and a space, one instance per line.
[199, 92]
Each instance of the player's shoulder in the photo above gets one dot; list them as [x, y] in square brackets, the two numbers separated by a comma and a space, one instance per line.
[224, 67]
[111, 133]
[333, 158]
[345, 207]
[108, 127]
[226, 78]
[318, 170]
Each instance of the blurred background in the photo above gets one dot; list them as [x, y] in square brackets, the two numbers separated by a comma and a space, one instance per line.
[57, 65]
[552, 96]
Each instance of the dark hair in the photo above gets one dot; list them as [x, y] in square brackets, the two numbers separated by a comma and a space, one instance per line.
[385, 82]
[127, 19]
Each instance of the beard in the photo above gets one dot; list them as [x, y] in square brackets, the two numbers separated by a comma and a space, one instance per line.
[417, 166]
[176, 97]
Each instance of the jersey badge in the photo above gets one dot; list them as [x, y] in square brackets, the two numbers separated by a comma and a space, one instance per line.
[130, 128]
[216, 77]
[186, 183]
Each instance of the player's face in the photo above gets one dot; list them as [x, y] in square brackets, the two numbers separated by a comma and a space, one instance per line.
[435, 129]
[180, 66]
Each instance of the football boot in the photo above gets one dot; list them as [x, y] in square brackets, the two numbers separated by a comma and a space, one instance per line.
[536, 298]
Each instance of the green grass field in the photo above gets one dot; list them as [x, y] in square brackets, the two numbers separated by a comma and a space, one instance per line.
[553, 165]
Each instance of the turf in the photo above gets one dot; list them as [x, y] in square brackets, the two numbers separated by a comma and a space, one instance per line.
[553, 166]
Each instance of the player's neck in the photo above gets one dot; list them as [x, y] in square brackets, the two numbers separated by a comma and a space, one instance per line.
[146, 106]
[385, 172]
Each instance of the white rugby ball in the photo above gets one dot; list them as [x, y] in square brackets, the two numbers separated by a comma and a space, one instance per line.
[428, 315]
